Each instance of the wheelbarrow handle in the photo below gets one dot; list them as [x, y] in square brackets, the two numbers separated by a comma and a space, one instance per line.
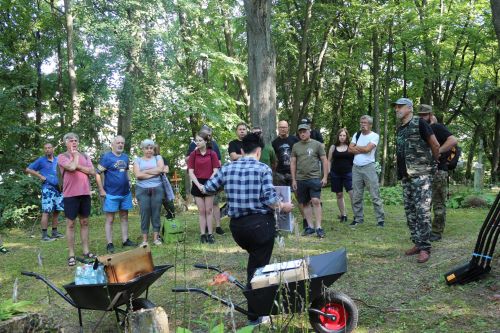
[204, 266]
[30, 274]
[51, 286]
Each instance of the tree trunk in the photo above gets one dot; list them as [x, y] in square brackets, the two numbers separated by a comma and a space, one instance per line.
[75, 102]
[495, 14]
[128, 92]
[472, 150]
[38, 95]
[261, 66]
[388, 74]
[375, 78]
[297, 91]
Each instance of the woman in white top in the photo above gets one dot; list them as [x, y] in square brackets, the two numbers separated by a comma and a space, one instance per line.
[149, 190]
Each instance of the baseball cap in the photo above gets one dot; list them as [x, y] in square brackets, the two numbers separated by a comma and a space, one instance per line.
[304, 126]
[403, 101]
[305, 121]
[424, 108]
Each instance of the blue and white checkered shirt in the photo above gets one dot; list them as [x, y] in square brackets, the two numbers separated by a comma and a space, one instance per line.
[248, 184]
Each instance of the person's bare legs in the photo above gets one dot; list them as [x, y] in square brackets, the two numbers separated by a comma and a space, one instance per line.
[209, 203]
[55, 219]
[318, 211]
[202, 214]
[70, 237]
[216, 213]
[341, 203]
[108, 227]
[124, 224]
[84, 234]
[307, 209]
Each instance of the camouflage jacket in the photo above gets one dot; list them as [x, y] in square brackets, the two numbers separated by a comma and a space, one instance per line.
[417, 153]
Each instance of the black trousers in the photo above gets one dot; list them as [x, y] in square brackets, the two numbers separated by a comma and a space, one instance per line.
[255, 234]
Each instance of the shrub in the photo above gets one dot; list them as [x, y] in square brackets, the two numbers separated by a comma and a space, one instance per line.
[474, 201]
[19, 199]
[392, 195]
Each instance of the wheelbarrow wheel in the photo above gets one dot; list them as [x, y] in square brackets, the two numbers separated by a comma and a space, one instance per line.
[142, 303]
[338, 304]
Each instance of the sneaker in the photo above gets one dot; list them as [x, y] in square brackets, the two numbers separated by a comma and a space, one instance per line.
[3, 250]
[380, 224]
[210, 239]
[219, 231]
[412, 251]
[259, 321]
[203, 239]
[128, 242]
[355, 223]
[144, 244]
[56, 234]
[157, 242]
[423, 256]
[435, 237]
[320, 233]
[308, 231]
[46, 238]
[110, 248]
[343, 218]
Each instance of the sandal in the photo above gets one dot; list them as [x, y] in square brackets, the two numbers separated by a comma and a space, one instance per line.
[89, 255]
[71, 261]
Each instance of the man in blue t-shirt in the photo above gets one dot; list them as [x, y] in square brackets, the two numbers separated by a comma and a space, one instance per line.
[44, 168]
[115, 189]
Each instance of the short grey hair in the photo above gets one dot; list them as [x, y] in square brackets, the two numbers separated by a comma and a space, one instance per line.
[367, 118]
[118, 136]
[147, 142]
[69, 136]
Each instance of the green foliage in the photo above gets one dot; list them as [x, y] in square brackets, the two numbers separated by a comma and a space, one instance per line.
[468, 198]
[8, 308]
[392, 195]
[19, 199]
[217, 329]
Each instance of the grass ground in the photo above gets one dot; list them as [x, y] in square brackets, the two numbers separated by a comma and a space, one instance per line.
[393, 292]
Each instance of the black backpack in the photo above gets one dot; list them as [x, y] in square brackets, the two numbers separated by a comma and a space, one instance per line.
[453, 157]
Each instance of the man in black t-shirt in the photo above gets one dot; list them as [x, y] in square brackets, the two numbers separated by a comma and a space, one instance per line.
[440, 179]
[235, 146]
[283, 148]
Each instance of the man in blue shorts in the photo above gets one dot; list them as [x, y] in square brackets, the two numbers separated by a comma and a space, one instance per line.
[115, 189]
[44, 168]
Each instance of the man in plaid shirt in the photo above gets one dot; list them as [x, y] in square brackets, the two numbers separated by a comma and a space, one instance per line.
[252, 200]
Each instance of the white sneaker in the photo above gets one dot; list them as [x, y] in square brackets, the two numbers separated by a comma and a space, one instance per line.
[259, 321]
[157, 242]
[144, 244]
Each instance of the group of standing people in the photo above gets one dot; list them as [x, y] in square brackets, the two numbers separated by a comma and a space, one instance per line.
[66, 187]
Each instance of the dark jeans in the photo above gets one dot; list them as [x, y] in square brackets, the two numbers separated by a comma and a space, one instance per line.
[255, 234]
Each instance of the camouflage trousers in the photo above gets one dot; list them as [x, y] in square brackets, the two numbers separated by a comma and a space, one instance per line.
[439, 196]
[417, 194]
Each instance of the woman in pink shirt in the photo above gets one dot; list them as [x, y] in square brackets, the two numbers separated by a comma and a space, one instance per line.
[203, 163]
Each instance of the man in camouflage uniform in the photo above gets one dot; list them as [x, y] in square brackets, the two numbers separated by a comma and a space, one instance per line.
[440, 179]
[416, 147]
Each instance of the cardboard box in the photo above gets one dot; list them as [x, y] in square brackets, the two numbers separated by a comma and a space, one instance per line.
[285, 272]
[125, 266]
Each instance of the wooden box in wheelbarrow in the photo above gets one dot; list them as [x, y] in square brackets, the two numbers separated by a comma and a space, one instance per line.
[295, 296]
[125, 266]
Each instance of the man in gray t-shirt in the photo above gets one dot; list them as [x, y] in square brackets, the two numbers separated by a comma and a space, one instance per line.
[308, 177]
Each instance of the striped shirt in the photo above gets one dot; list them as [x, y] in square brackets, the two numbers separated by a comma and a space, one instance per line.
[248, 184]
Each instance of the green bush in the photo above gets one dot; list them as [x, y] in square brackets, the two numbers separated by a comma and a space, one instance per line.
[8, 308]
[467, 198]
[392, 195]
[19, 199]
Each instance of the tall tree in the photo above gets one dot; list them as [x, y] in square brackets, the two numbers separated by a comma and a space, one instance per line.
[261, 66]
[75, 101]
